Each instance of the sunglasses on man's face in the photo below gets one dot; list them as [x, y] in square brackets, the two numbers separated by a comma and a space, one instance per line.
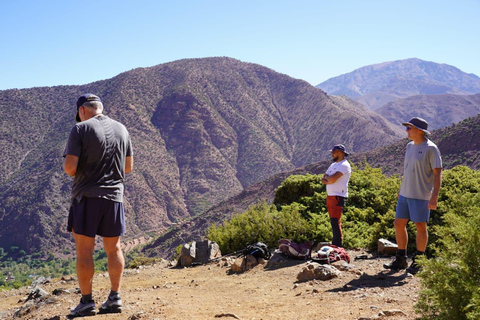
[408, 128]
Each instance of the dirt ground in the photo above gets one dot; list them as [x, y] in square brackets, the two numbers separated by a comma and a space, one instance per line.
[211, 291]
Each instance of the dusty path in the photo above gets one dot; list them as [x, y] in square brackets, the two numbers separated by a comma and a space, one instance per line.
[210, 292]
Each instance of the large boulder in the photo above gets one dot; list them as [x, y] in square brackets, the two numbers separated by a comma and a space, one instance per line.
[198, 253]
[386, 247]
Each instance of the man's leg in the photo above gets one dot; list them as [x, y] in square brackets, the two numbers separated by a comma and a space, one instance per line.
[85, 268]
[337, 231]
[115, 260]
[422, 236]
[116, 263]
[335, 210]
[401, 234]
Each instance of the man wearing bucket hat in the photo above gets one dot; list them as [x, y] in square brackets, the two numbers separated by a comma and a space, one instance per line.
[422, 178]
[98, 153]
[336, 179]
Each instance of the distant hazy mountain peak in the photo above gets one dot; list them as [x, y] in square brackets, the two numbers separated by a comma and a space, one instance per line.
[377, 84]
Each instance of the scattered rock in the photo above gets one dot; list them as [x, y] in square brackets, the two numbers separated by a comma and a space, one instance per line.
[207, 250]
[37, 294]
[187, 254]
[318, 271]
[60, 291]
[276, 260]
[136, 316]
[386, 247]
[394, 313]
[243, 264]
[226, 315]
[35, 299]
[343, 265]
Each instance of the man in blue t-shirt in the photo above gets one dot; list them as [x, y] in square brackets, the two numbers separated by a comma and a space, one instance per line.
[422, 178]
[98, 153]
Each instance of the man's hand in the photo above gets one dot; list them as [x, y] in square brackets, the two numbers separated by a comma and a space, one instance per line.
[432, 204]
[70, 165]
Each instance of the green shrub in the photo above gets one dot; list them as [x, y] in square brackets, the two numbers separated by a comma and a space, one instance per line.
[260, 223]
[451, 281]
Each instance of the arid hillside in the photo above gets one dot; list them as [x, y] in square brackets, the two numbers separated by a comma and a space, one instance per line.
[202, 131]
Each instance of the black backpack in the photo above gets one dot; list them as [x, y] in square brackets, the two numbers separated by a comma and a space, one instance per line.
[258, 250]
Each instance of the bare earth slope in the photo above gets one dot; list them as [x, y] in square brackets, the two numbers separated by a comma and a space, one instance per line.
[210, 292]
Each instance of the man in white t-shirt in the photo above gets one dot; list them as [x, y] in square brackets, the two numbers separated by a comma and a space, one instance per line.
[336, 179]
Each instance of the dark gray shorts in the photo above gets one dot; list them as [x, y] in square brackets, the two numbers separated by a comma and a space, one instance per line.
[92, 216]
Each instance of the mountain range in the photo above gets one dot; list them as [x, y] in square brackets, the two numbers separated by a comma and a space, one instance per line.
[378, 84]
[202, 131]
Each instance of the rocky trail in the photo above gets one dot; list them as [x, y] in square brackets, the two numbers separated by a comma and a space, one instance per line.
[362, 290]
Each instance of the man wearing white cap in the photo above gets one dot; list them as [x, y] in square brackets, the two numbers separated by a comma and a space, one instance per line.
[422, 178]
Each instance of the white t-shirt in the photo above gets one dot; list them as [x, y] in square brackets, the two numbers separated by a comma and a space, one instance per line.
[339, 187]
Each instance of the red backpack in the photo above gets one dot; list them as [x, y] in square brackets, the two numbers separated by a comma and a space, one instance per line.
[330, 253]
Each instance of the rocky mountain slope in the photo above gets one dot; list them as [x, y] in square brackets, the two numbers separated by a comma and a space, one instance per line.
[202, 130]
[439, 110]
[459, 145]
[378, 84]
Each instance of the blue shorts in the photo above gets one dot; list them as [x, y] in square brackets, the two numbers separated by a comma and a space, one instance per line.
[412, 209]
[92, 216]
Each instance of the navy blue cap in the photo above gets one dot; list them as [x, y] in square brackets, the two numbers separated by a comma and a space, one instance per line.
[340, 147]
[87, 97]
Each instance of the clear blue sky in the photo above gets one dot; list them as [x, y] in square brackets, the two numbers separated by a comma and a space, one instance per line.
[63, 42]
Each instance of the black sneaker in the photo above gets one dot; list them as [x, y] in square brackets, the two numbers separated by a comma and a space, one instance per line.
[414, 267]
[112, 305]
[399, 263]
[83, 310]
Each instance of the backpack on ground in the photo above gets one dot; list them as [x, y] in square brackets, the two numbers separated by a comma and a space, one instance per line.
[329, 254]
[258, 250]
[295, 250]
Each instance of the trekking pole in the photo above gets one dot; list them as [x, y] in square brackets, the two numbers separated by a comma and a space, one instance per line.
[227, 255]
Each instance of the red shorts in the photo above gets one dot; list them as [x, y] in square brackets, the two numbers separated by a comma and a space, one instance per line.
[335, 206]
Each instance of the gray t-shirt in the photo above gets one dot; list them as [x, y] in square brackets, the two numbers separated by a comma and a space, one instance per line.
[101, 145]
[420, 160]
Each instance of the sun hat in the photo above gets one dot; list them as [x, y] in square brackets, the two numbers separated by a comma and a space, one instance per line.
[340, 147]
[87, 97]
[418, 123]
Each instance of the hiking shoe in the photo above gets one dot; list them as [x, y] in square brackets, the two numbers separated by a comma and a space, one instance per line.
[112, 305]
[399, 263]
[83, 309]
[414, 268]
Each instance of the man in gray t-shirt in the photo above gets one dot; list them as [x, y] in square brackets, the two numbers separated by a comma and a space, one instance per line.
[98, 153]
[422, 178]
